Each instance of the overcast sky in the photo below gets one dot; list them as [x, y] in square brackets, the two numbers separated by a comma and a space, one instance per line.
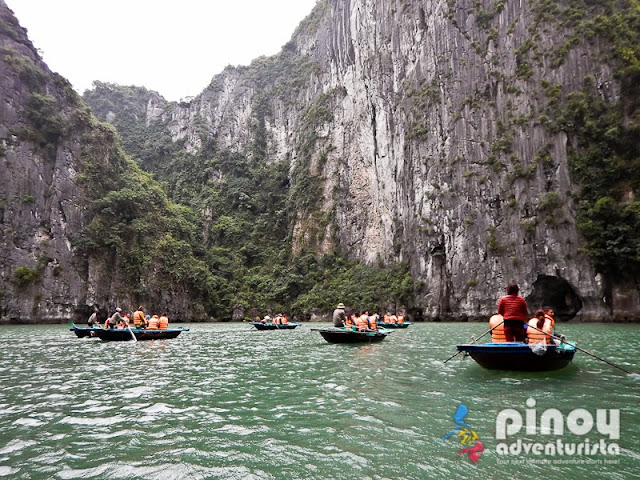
[173, 47]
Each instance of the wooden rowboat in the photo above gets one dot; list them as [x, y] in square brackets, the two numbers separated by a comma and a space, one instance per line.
[274, 326]
[394, 325]
[346, 335]
[122, 335]
[520, 356]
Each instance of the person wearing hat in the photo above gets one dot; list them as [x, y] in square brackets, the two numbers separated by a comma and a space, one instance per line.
[339, 316]
[114, 319]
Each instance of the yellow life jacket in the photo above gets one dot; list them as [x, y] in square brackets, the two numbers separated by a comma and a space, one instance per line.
[497, 334]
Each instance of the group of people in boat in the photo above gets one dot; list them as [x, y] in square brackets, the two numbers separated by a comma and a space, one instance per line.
[123, 321]
[361, 320]
[278, 319]
[512, 323]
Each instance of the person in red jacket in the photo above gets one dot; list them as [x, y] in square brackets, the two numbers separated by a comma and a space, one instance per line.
[515, 312]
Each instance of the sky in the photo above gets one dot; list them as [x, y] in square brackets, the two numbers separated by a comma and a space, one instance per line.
[173, 47]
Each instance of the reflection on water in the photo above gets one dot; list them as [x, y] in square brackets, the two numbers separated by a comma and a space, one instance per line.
[228, 401]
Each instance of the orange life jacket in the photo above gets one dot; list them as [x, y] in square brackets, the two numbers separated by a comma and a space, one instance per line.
[138, 318]
[551, 320]
[163, 322]
[496, 323]
[385, 319]
[362, 322]
[284, 320]
[535, 335]
[393, 319]
[400, 318]
[372, 323]
[153, 323]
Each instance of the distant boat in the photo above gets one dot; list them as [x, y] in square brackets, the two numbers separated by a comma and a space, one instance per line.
[394, 325]
[120, 335]
[521, 357]
[346, 335]
[274, 326]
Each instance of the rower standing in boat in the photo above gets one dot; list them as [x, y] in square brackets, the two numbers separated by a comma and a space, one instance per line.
[114, 319]
[339, 316]
[93, 319]
[515, 312]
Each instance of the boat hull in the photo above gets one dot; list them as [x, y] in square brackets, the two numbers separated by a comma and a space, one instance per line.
[394, 325]
[519, 356]
[274, 326]
[84, 332]
[119, 335]
[338, 335]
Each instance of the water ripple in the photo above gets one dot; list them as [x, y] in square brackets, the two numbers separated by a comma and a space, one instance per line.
[227, 402]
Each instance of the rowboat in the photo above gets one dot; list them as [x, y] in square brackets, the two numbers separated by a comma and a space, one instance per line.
[394, 325]
[82, 332]
[346, 335]
[274, 326]
[120, 335]
[521, 357]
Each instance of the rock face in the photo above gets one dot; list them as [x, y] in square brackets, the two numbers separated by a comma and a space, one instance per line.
[49, 145]
[427, 124]
[426, 121]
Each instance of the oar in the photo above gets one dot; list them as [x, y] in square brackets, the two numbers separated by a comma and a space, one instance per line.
[581, 349]
[474, 341]
[132, 335]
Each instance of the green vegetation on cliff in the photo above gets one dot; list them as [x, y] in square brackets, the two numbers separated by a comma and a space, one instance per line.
[241, 211]
[604, 151]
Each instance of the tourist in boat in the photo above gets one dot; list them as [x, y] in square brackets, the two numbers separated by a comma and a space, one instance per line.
[283, 319]
[496, 323]
[515, 312]
[114, 319]
[350, 320]
[539, 329]
[93, 319]
[138, 317]
[363, 321]
[386, 318]
[393, 319]
[163, 322]
[339, 316]
[373, 322]
[153, 322]
[400, 318]
[548, 315]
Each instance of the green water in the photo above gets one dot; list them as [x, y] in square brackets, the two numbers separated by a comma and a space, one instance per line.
[226, 401]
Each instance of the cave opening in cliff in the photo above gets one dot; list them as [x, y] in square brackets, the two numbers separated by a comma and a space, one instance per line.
[556, 293]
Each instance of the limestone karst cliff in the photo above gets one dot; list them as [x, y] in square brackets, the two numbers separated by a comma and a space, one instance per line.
[477, 141]
[433, 131]
[69, 218]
